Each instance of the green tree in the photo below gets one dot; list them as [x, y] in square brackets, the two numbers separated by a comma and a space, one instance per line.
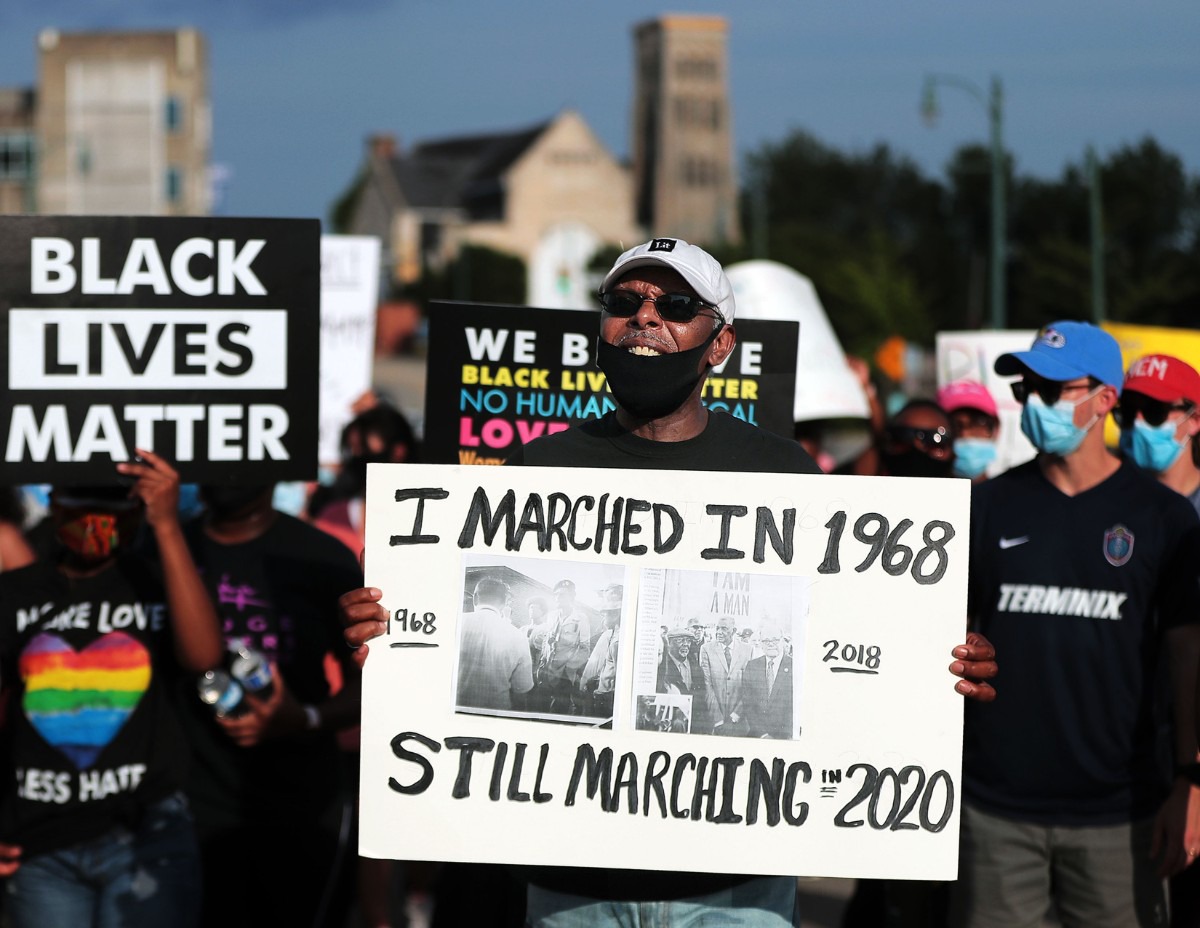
[864, 227]
[893, 252]
[1152, 234]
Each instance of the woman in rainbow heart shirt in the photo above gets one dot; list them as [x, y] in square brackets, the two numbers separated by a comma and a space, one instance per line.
[93, 827]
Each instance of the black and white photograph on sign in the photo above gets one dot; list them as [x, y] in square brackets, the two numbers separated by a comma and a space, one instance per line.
[539, 639]
[720, 652]
[664, 712]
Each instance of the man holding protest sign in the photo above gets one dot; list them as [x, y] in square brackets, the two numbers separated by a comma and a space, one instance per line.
[668, 310]
[1083, 569]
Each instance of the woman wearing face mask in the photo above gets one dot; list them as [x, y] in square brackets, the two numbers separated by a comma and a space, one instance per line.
[1159, 416]
[975, 422]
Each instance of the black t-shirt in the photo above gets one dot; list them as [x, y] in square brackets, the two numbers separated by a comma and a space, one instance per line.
[726, 444]
[1075, 592]
[92, 736]
[279, 593]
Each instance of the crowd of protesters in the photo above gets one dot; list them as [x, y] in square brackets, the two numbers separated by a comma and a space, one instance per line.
[245, 813]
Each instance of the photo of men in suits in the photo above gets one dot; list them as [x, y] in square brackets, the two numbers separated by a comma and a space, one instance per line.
[722, 661]
[767, 687]
[719, 639]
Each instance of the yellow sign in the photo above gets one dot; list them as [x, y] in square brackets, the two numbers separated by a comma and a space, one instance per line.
[1137, 341]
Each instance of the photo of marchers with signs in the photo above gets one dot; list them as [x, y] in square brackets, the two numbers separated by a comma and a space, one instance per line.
[726, 650]
[664, 713]
[539, 639]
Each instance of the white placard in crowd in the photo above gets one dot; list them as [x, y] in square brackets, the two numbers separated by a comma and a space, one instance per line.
[349, 298]
[825, 385]
[838, 745]
[972, 356]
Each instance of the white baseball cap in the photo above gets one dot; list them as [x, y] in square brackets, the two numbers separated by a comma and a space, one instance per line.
[701, 270]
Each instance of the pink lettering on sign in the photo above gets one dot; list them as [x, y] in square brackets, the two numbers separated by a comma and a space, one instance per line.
[499, 433]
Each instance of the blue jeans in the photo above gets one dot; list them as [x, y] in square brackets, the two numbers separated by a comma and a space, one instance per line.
[127, 878]
[761, 902]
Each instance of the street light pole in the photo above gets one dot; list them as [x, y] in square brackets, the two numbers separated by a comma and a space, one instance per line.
[993, 103]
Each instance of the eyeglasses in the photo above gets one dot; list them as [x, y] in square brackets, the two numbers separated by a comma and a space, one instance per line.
[1153, 412]
[1050, 391]
[926, 439]
[671, 307]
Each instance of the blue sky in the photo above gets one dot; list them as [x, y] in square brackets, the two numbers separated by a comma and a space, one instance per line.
[297, 85]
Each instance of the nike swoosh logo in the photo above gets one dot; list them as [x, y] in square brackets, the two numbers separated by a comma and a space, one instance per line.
[1006, 543]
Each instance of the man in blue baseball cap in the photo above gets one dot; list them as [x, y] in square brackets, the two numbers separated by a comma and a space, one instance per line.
[1083, 574]
[1072, 380]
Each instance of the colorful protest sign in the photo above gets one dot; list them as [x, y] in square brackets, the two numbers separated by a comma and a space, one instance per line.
[195, 338]
[555, 665]
[499, 376]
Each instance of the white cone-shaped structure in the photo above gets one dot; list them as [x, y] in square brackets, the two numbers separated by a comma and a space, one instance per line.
[826, 388]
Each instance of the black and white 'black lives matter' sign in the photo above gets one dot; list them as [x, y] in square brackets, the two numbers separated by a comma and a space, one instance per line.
[194, 337]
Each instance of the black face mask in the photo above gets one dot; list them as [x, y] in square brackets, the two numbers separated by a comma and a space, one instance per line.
[652, 387]
[913, 463]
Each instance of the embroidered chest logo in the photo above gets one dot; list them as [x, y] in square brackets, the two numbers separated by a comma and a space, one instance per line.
[1118, 545]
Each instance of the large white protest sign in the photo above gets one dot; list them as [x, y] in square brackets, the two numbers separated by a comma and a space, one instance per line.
[349, 297]
[538, 688]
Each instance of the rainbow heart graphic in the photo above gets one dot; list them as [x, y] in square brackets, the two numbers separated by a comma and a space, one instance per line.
[78, 700]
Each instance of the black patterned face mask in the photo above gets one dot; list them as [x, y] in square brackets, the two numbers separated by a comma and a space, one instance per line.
[650, 387]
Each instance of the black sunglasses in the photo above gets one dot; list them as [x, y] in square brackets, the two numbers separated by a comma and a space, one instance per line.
[671, 307]
[927, 439]
[1050, 391]
[1153, 411]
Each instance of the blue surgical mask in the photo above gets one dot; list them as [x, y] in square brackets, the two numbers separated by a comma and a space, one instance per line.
[972, 456]
[1152, 447]
[1052, 429]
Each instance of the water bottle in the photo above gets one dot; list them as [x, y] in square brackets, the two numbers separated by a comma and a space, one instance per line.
[250, 668]
[222, 693]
